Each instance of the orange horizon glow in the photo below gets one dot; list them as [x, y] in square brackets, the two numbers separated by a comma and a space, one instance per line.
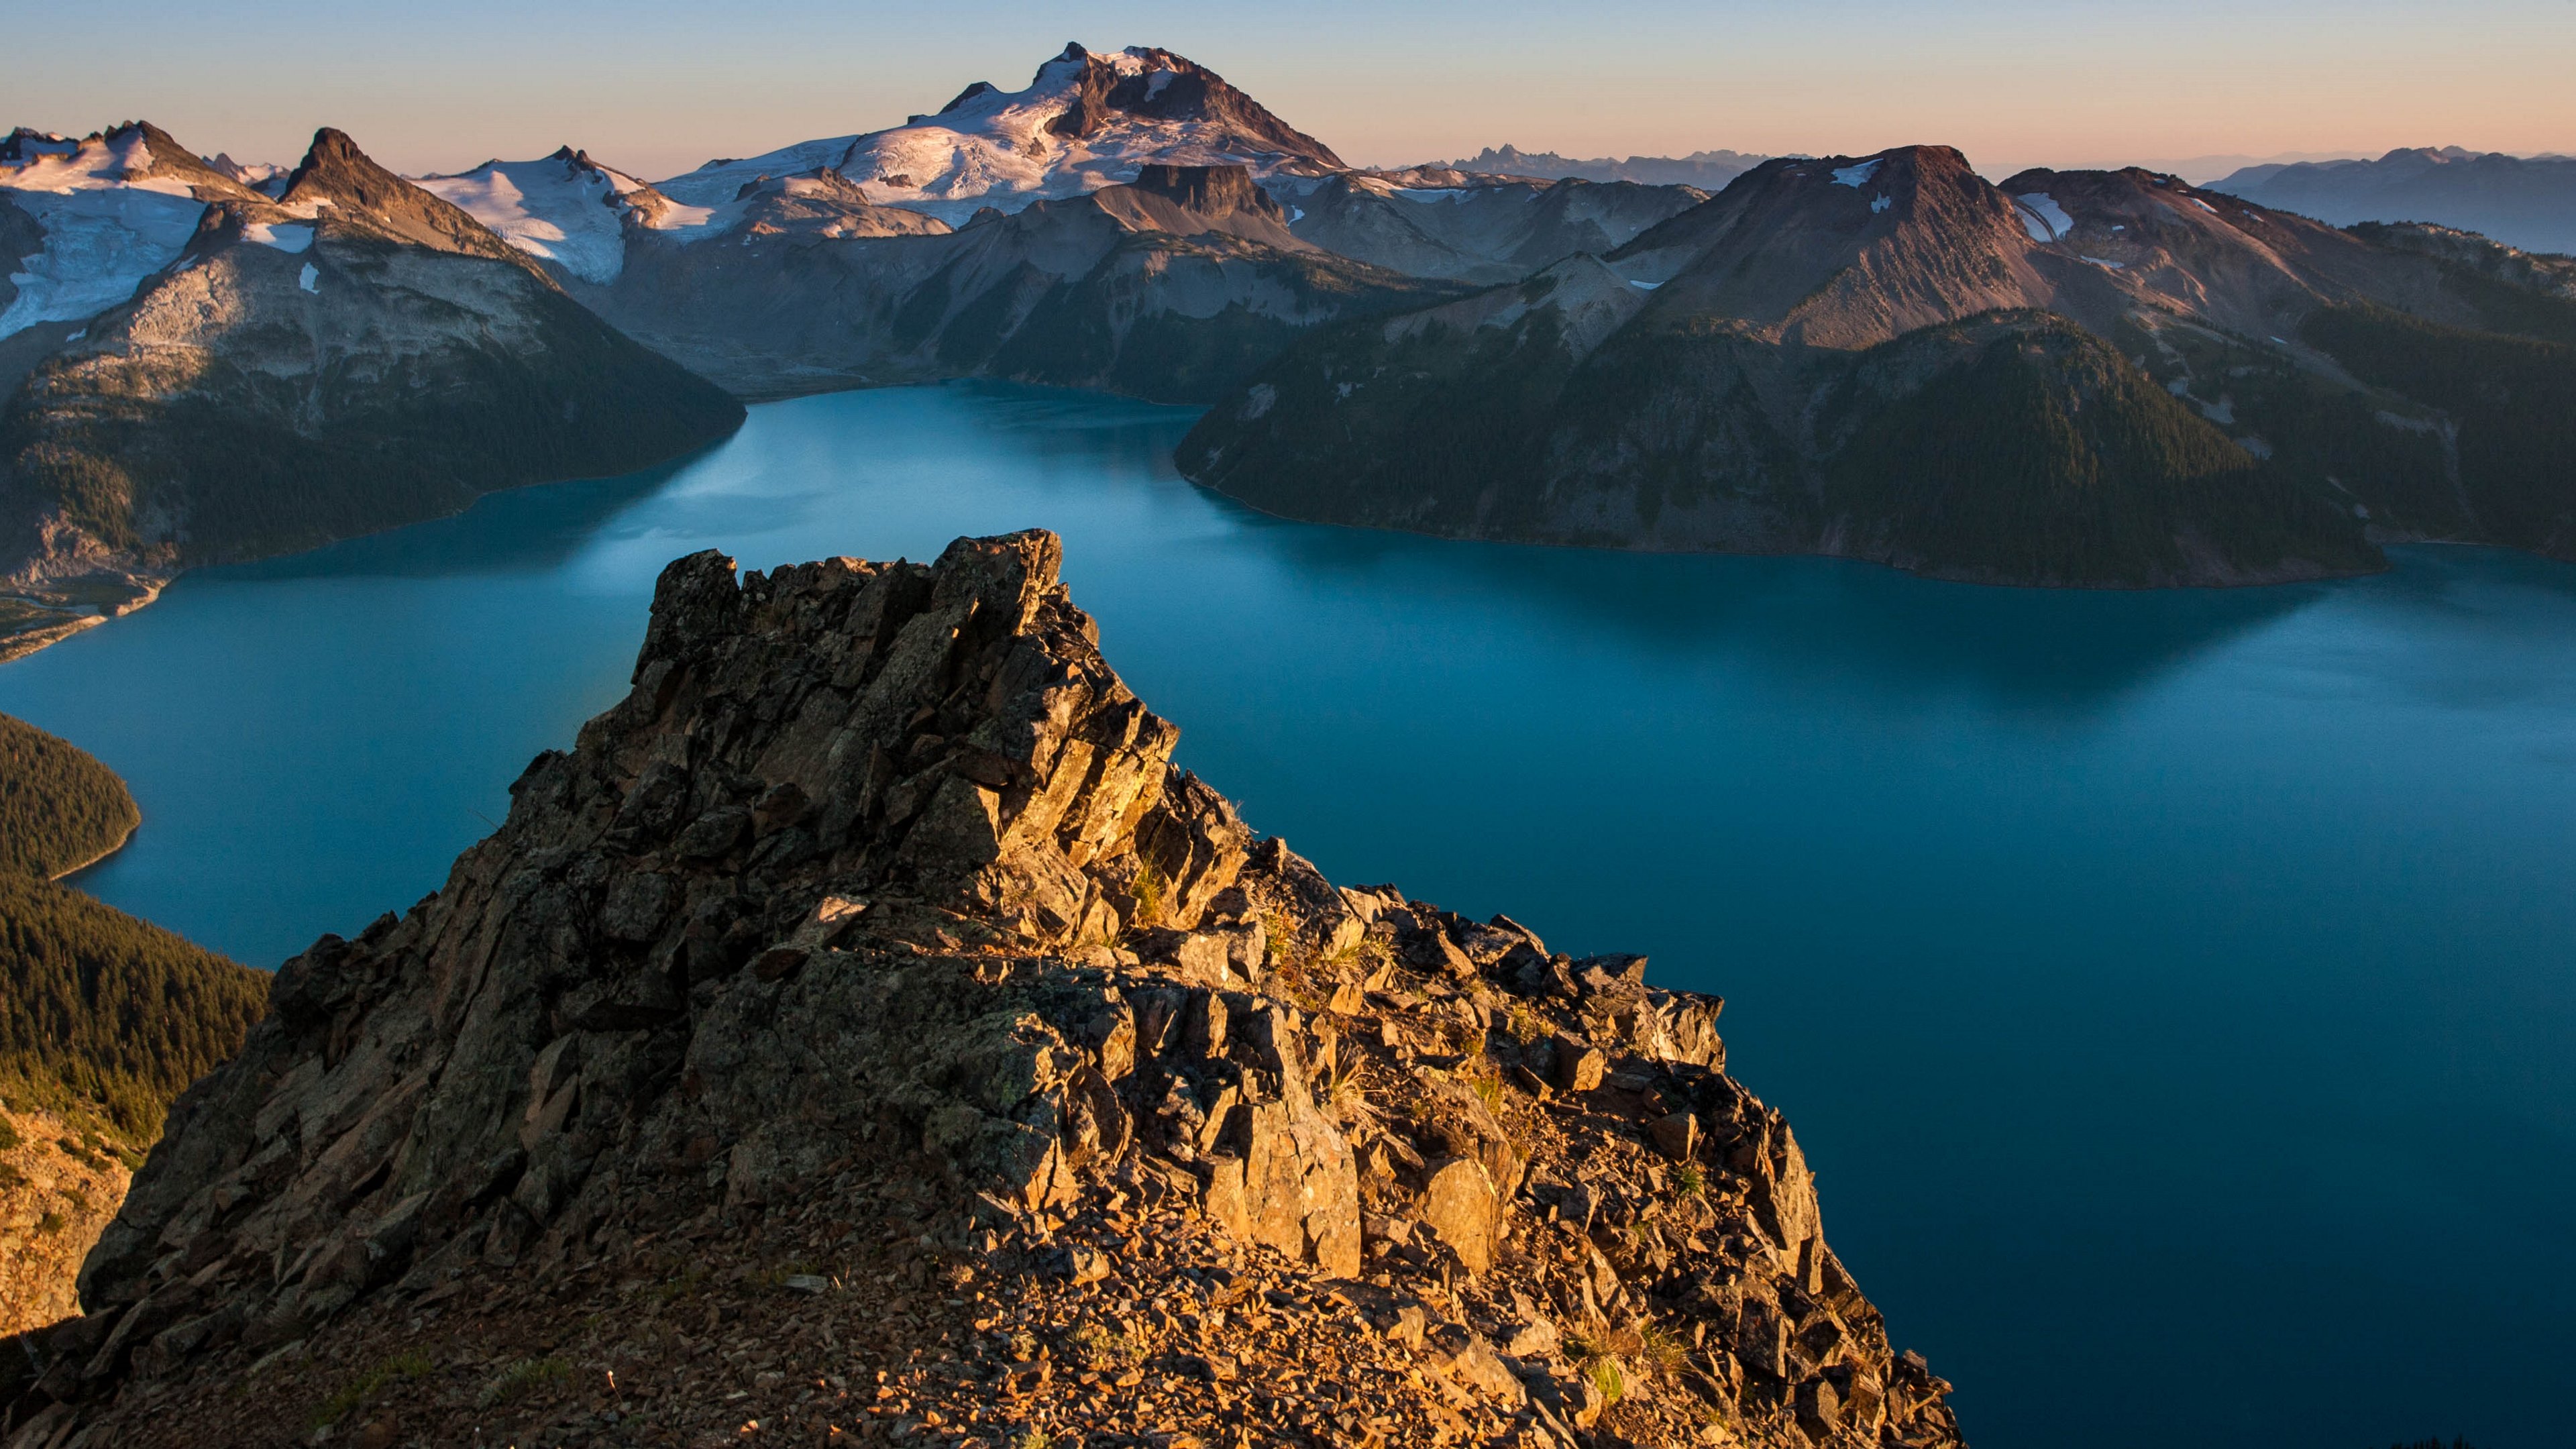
[656, 88]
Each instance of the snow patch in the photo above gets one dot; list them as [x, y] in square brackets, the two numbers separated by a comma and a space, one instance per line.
[1881, 204]
[2205, 206]
[1643, 286]
[2106, 262]
[105, 228]
[309, 279]
[286, 236]
[2043, 218]
[1857, 176]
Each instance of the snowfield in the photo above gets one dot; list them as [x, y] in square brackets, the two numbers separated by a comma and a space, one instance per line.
[285, 236]
[105, 229]
[2043, 218]
[563, 209]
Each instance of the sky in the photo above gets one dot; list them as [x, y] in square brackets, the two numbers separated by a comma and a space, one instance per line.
[656, 87]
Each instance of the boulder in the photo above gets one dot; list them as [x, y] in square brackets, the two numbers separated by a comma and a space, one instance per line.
[1676, 1135]
[1458, 1207]
[1579, 1066]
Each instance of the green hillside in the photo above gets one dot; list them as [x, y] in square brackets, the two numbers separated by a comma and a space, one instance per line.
[103, 1017]
[59, 808]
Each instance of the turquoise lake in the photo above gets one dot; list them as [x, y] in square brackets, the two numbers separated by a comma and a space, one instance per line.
[2176, 992]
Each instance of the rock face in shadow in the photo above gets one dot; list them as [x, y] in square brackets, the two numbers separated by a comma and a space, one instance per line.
[879, 871]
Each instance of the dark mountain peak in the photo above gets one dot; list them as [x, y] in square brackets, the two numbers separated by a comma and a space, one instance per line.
[574, 158]
[366, 198]
[1842, 251]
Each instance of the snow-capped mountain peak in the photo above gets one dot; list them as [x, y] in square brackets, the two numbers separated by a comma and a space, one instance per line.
[1086, 120]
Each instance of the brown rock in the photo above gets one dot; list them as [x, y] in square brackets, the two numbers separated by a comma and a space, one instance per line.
[1676, 1135]
[1467, 1358]
[1458, 1207]
[1579, 1067]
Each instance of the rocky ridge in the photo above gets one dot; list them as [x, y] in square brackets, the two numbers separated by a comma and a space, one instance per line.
[866, 1030]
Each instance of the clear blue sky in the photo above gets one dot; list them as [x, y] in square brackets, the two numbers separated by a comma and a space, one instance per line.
[655, 86]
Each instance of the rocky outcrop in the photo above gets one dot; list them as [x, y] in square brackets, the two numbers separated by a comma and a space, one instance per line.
[879, 899]
[59, 1186]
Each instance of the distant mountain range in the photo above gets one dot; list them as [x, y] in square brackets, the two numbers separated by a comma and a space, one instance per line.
[2076, 378]
[2523, 201]
[209, 360]
[1707, 170]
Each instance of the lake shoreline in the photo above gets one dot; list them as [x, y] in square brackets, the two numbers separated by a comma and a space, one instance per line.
[61, 877]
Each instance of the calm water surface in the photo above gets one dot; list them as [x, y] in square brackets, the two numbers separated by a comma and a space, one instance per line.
[2176, 991]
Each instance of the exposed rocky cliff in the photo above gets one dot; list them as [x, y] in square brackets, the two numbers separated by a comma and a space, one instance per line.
[2076, 378]
[351, 355]
[866, 1029]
